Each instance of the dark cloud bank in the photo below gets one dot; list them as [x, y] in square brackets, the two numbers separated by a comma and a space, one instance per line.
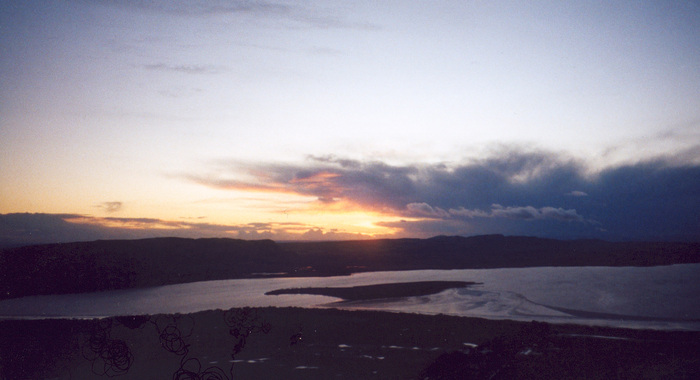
[512, 193]
[517, 193]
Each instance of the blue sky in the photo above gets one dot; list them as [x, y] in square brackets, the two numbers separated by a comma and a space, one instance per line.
[327, 120]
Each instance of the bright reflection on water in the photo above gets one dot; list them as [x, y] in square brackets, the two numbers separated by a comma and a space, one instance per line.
[665, 297]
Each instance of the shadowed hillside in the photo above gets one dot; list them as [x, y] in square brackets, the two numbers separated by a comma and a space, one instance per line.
[487, 251]
[121, 264]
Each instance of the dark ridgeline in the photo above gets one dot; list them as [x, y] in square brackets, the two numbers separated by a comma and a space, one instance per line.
[121, 264]
[488, 251]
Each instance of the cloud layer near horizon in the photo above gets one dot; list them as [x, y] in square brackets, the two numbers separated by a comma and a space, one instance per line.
[513, 193]
[19, 229]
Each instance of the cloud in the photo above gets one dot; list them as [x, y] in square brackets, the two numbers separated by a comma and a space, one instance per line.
[466, 213]
[682, 141]
[111, 207]
[367, 184]
[25, 229]
[531, 213]
[293, 14]
[201, 7]
[425, 210]
[520, 212]
[184, 69]
[511, 191]
[515, 178]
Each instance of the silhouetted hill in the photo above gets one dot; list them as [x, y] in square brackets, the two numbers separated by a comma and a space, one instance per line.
[487, 251]
[121, 264]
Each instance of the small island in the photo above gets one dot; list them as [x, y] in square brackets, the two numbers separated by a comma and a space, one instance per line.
[379, 291]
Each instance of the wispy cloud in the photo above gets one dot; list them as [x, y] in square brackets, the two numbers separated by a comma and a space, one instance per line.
[682, 141]
[520, 213]
[111, 207]
[184, 69]
[295, 14]
[200, 7]
[423, 209]
[532, 213]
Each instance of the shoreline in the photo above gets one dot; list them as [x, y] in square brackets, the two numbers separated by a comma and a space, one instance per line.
[422, 292]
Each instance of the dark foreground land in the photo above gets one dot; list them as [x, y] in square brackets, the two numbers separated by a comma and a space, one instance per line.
[293, 343]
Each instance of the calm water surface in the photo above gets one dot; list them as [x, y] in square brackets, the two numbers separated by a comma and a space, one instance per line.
[663, 297]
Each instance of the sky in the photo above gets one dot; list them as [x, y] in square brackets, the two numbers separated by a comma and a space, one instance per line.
[336, 120]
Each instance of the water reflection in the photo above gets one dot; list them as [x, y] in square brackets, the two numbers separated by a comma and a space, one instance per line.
[664, 293]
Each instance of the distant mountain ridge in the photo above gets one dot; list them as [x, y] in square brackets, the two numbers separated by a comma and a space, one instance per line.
[121, 264]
